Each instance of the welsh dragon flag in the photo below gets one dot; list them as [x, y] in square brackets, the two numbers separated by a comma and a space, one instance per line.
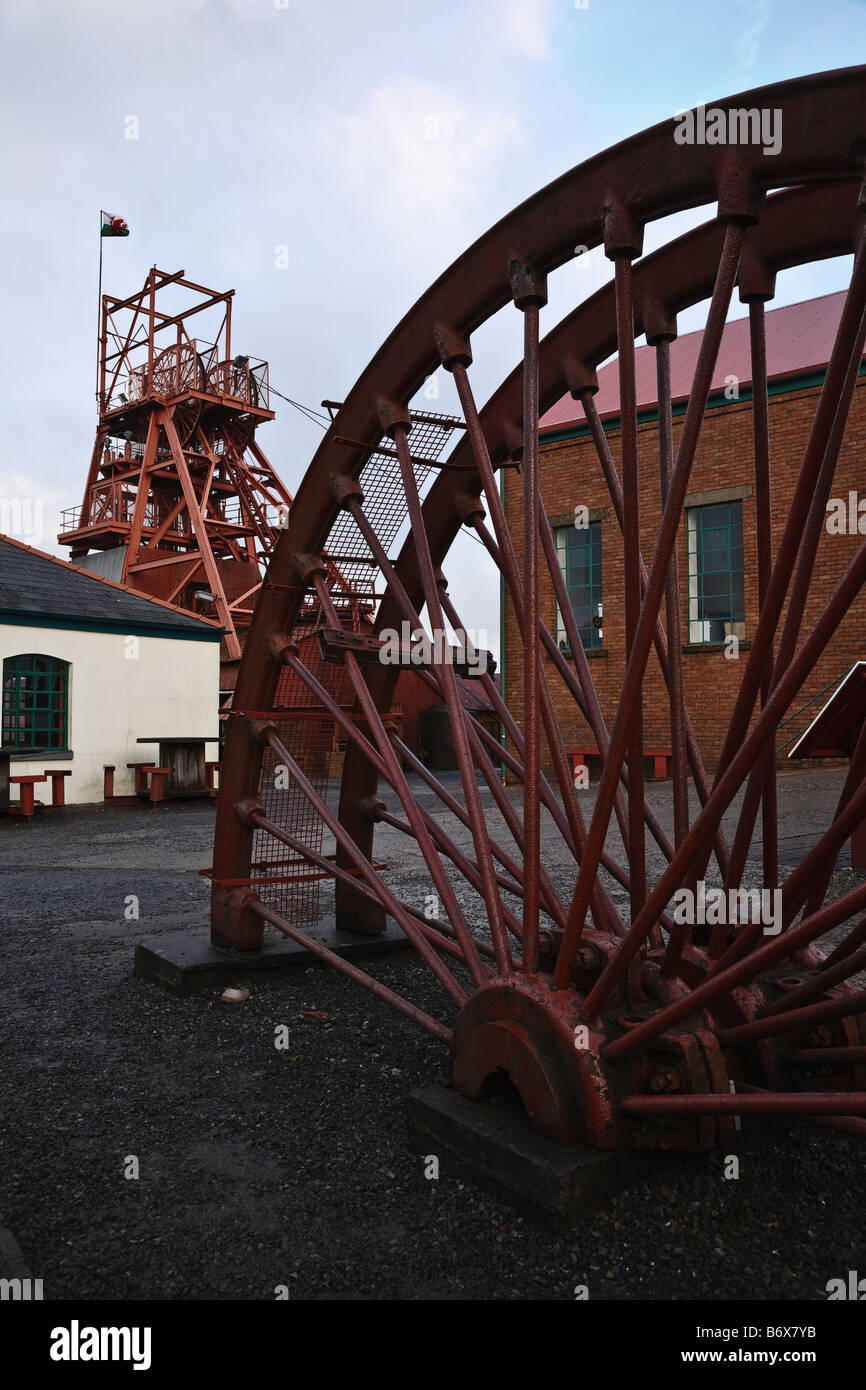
[113, 226]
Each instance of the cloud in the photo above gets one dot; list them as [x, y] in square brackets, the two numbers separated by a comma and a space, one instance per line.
[420, 157]
[104, 11]
[524, 26]
[748, 43]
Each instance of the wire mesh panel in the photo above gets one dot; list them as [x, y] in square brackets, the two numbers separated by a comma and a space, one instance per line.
[385, 501]
[288, 884]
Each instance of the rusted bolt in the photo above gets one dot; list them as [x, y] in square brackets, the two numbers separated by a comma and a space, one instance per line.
[281, 647]
[631, 1020]
[346, 490]
[665, 1081]
[547, 943]
[588, 956]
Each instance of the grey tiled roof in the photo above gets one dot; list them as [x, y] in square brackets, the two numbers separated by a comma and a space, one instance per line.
[36, 585]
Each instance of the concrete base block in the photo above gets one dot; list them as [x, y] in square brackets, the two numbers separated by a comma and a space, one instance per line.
[491, 1144]
[182, 960]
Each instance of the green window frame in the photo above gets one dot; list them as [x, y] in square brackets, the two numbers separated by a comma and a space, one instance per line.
[35, 701]
[716, 577]
[579, 552]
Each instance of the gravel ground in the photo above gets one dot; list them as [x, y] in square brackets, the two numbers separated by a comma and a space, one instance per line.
[260, 1167]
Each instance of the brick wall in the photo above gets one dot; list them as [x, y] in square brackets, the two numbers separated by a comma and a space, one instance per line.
[571, 476]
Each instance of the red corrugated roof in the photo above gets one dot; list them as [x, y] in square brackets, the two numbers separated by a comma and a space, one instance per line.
[799, 339]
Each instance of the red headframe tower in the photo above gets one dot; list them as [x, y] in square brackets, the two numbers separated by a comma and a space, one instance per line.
[180, 501]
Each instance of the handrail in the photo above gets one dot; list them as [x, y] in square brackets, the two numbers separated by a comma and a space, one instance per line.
[832, 685]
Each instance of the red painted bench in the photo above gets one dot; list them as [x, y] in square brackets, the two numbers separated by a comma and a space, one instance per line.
[157, 777]
[108, 795]
[661, 761]
[140, 770]
[58, 787]
[661, 764]
[580, 758]
[26, 808]
[150, 783]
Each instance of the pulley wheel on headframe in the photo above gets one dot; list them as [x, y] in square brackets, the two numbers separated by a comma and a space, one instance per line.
[177, 370]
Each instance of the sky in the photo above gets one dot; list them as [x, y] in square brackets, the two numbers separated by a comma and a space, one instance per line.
[326, 160]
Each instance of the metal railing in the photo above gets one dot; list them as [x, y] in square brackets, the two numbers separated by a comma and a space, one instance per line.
[193, 366]
[797, 712]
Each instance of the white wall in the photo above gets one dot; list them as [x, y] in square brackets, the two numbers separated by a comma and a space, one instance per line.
[118, 692]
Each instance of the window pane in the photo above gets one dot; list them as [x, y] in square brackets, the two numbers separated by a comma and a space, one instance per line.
[716, 584]
[34, 701]
[715, 570]
[579, 550]
[714, 515]
[717, 560]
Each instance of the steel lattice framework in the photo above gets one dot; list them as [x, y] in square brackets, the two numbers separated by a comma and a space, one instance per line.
[178, 486]
[623, 1033]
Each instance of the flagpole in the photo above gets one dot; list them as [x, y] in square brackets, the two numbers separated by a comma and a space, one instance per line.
[99, 315]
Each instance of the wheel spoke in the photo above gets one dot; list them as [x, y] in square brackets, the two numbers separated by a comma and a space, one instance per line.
[614, 488]
[631, 578]
[400, 785]
[718, 985]
[366, 870]
[455, 709]
[360, 977]
[637, 659]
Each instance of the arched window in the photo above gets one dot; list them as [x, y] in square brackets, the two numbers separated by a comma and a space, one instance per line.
[35, 701]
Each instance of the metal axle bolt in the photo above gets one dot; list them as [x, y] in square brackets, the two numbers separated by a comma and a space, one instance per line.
[665, 1081]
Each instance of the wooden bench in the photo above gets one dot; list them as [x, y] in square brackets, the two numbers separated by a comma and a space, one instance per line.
[580, 759]
[661, 761]
[140, 771]
[26, 808]
[58, 787]
[211, 771]
[155, 779]
[108, 795]
[150, 783]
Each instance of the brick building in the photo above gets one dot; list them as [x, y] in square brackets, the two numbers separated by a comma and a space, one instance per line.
[716, 546]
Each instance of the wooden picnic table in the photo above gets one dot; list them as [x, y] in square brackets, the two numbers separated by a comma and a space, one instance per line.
[186, 757]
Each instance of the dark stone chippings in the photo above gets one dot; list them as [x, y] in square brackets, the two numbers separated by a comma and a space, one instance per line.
[260, 1167]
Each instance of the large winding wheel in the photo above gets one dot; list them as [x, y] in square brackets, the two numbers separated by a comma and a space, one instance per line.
[640, 1031]
[176, 370]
